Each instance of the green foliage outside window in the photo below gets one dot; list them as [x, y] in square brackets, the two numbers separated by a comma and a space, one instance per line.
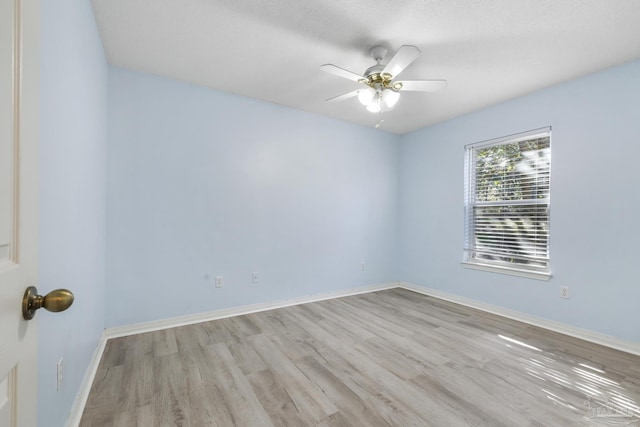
[510, 203]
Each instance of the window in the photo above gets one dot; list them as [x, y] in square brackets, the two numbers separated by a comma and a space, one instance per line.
[507, 204]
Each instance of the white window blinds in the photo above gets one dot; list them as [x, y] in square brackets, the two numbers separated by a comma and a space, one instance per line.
[507, 183]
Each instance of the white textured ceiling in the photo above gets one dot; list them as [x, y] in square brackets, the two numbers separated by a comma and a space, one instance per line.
[488, 50]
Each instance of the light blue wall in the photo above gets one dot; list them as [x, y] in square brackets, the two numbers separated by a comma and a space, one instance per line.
[201, 181]
[72, 210]
[595, 200]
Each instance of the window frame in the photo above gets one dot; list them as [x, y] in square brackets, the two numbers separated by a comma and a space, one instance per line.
[469, 248]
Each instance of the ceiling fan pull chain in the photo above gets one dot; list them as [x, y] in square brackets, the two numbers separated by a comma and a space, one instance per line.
[380, 120]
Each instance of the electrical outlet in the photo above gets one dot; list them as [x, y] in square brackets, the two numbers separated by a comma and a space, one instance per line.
[59, 367]
[255, 278]
[219, 282]
[564, 292]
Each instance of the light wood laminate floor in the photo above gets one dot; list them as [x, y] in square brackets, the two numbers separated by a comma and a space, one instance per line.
[388, 358]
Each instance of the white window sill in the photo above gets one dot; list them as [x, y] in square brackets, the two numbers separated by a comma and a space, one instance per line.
[537, 275]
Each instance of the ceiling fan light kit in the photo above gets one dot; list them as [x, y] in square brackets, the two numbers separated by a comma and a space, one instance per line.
[377, 100]
[383, 92]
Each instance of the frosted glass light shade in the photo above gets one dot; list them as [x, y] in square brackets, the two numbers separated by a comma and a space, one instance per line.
[374, 105]
[390, 97]
[366, 95]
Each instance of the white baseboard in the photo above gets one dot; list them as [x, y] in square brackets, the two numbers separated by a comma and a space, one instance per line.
[83, 394]
[173, 322]
[87, 382]
[583, 334]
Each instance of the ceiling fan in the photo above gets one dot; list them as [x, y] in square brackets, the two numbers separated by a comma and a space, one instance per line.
[382, 91]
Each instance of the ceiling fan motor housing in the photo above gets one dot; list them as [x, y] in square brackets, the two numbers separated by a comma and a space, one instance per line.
[375, 78]
[376, 69]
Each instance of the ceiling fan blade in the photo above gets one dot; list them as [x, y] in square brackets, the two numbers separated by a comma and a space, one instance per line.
[401, 60]
[341, 72]
[422, 85]
[343, 96]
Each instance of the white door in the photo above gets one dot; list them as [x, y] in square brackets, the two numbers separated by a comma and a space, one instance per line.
[18, 208]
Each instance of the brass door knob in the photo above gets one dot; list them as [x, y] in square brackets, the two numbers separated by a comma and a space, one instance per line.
[58, 300]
